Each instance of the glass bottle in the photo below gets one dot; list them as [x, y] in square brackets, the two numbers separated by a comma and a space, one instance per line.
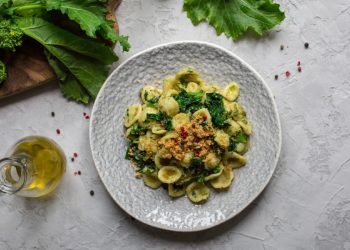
[34, 167]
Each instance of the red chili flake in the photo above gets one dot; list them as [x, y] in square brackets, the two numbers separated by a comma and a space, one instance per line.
[196, 154]
[79, 172]
[162, 125]
[75, 173]
[75, 155]
[84, 114]
[287, 74]
[58, 131]
[87, 117]
[204, 117]
[298, 63]
[183, 133]
[299, 69]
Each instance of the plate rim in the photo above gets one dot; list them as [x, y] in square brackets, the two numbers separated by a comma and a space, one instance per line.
[275, 163]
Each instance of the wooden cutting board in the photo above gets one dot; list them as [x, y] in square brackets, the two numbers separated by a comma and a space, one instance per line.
[28, 67]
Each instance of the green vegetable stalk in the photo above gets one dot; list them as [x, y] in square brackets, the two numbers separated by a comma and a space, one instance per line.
[80, 62]
[2, 72]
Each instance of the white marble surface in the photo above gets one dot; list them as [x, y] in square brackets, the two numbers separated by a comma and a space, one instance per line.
[306, 205]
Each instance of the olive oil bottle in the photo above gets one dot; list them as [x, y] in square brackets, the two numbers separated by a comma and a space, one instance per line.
[34, 167]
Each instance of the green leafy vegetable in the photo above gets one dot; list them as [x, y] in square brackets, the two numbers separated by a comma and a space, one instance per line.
[215, 105]
[80, 62]
[137, 156]
[241, 137]
[137, 130]
[189, 101]
[10, 35]
[200, 172]
[162, 118]
[3, 74]
[197, 162]
[89, 14]
[235, 17]
[47, 33]
[232, 145]
[152, 102]
[69, 85]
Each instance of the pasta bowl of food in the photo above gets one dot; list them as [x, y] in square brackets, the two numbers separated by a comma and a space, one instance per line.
[185, 135]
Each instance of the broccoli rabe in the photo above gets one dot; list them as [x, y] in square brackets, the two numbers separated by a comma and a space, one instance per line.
[2, 72]
[10, 35]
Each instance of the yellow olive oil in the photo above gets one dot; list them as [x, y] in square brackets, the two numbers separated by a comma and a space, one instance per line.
[44, 163]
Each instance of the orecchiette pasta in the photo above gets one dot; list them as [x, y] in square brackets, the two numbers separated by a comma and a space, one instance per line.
[151, 181]
[176, 191]
[224, 180]
[169, 106]
[187, 135]
[169, 174]
[132, 115]
[150, 93]
[231, 92]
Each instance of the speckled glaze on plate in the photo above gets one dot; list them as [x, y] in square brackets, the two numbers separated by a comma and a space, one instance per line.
[108, 146]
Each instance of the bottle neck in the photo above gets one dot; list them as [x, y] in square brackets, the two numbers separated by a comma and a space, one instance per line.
[13, 175]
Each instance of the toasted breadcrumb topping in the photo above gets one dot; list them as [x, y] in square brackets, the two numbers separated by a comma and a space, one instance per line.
[193, 136]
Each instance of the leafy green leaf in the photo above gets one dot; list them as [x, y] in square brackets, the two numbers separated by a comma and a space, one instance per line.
[137, 130]
[235, 17]
[3, 73]
[69, 85]
[124, 42]
[241, 137]
[4, 2]
[47, 33]
[189, 101]
[89, 73]
[162, 118]
[215, 105]
[89, 14]
[232, 145]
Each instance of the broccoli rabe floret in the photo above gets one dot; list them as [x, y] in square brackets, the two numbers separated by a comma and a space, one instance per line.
[10, 35]
[2, 72]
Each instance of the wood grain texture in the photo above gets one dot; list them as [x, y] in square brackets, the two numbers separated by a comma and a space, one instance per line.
[28, 68]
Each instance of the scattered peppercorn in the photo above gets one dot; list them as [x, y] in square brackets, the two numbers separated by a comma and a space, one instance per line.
[287, 74]
[58, 131]
[79, 172]
[282, 47]
[92, 192]
[53, 114]
[132, 218]
[276, 77]
[306, 45]
[72, 159]
[299, 69]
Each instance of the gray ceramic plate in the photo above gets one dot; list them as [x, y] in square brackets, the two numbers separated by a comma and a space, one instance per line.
[155, 207]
